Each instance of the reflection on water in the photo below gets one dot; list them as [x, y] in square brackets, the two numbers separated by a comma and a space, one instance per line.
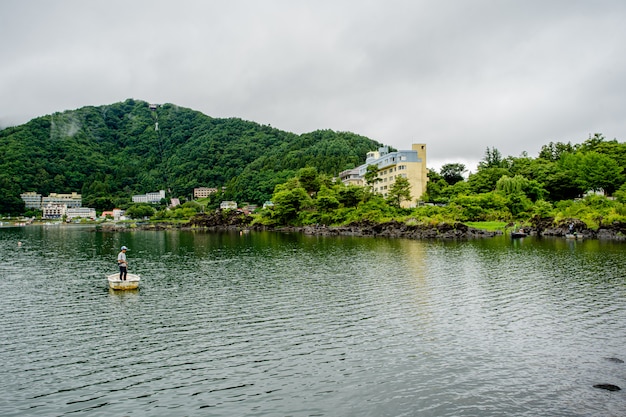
[276, 324]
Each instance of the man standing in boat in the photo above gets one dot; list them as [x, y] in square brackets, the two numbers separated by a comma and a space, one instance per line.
[121, 261]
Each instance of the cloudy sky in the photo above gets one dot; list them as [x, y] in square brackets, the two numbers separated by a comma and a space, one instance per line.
[458, 75]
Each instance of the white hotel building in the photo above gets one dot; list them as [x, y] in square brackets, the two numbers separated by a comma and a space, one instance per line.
[154, 197]
[410, 164]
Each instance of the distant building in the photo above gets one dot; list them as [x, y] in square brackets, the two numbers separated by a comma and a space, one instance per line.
[80, 212]
[174, 202]
[203, 192]
[70, 200]
[116, 214]
[410, 164]
[351, 177]
[249, 208]
[53, 211]
[31, 200]
[36, 201]
[154, 197]
[228, 205]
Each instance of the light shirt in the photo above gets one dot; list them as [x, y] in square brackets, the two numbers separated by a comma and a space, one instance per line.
[121, 257]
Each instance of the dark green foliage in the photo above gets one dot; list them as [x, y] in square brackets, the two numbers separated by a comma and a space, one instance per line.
[108, 153]
[400, 191]
[351, 195]
[453, 173]
[138, 211]
[371, 175]
[326, 200]
[493, 159]
[554, 151]
[288, 203]
[308, 179]
[485, 179]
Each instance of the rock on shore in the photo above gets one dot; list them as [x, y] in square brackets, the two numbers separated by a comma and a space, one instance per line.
[397, 229]
[547, 226]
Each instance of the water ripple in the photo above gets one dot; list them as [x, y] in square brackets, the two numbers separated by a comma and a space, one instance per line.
[273, 325]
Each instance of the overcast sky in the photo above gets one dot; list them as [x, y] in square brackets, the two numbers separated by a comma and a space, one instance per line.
[458, 75]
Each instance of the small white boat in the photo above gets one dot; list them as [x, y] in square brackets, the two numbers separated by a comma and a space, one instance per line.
[573, 236]
[130, 283]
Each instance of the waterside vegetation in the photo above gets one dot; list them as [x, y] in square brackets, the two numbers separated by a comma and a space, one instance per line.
[111, 152]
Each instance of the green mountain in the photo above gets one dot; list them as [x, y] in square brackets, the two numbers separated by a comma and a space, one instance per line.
[111, 152]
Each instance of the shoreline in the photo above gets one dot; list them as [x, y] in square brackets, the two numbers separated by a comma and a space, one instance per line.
[387, 230]
[240, 222]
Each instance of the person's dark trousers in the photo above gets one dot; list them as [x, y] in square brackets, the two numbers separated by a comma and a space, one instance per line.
[123, 273]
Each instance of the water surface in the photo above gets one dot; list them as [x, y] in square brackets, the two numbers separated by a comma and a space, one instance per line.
[269, 324]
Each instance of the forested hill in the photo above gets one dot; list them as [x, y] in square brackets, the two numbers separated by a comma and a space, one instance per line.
[113, 151]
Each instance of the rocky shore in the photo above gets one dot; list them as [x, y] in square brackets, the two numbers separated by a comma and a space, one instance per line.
[221, 220]
[395, 229]
[232, 220]
[238, 221]
[546, 226]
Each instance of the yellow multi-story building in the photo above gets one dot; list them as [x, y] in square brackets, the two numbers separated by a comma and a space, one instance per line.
[69, 200]
[410, 164]
[203, 192]
[36, 201]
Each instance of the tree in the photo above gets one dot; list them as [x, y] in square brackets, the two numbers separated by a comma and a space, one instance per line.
[399, 191]
[554, 178]
[599, 172]
[485, 179]
[434, 191]
[554, 151]
[510, 185]
[593, 142]
[350, 195]
[493, 159]
[592, 171]
[480, 207]
[326, 200]
[139, 211]
[518, 203]
[433, 175]
[288, 202]
[309, 180]
[620, 195]
[371, 175]
[453, 173]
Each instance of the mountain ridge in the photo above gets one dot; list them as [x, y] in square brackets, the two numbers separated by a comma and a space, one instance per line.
[112, 151]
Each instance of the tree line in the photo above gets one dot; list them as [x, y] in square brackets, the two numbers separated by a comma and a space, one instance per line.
[565, 181]
[109, 153]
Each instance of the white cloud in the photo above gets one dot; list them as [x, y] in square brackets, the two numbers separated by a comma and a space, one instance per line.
[460, 76]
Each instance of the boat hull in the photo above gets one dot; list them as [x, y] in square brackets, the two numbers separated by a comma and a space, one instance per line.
[131, 282]
[573, 236]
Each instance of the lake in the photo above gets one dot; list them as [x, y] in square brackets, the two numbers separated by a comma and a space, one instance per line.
[273, 324]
